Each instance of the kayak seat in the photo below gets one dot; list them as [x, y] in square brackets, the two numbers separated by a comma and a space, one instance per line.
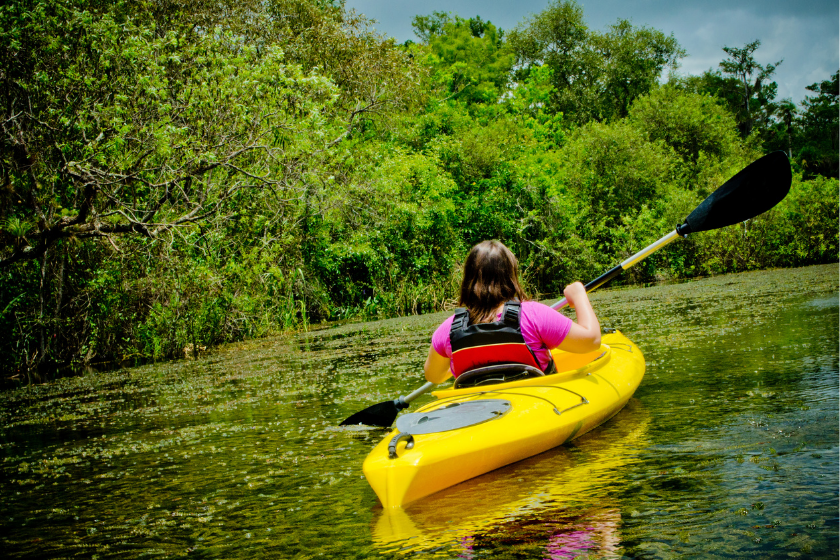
[497, 373]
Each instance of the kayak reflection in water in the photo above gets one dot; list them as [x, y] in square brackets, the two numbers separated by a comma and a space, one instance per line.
[497, 324]
[594, 534]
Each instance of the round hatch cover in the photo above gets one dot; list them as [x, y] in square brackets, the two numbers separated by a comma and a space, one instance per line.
[453, 416]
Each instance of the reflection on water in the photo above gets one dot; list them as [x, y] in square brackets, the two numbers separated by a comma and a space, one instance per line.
[730, 447]
[554, 535]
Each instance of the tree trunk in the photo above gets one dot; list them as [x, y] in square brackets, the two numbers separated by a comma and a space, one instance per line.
[747, 106]
[42, 297]
[58, 300]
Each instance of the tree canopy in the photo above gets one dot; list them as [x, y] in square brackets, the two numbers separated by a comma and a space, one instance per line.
[177, 175]
[469, 57]
[596, 75]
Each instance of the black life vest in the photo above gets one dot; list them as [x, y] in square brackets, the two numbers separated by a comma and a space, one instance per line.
[484, 344]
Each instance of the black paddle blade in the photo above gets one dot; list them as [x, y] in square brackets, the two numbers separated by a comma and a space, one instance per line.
[754, 190]
[381, 415]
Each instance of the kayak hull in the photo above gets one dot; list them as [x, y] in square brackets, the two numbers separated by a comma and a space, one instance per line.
[544, 412]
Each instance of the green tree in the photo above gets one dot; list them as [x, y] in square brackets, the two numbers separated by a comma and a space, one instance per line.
[374, 78]
[702, 133]
[616, 172]
[141, 131]
[559, 38]
[113, 126]
[468, 57]
[596, 75]
[726, 90]
[817, 130]
[757, 89]
[426, 27]
[634, 59]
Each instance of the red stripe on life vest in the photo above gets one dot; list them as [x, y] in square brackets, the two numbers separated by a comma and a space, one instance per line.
[466, 359]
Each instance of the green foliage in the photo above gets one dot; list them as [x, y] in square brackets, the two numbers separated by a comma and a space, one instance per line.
[529, 103]
[816, 136]
[756, 90]
[809, 135]
[612, 169]
[727, 91]
[426, 27]
[176, 176]
[701, 133]
[795, 233]
[595, 75]
[559, 38]
[633, 60]
[467, 57]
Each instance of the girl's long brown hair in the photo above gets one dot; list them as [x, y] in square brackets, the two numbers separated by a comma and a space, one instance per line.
[491, 277]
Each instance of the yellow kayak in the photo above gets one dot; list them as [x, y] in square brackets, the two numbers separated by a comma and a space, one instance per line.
[542, 486]
[473, 430]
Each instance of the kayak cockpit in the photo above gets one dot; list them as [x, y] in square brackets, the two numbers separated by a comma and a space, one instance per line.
[567, 364]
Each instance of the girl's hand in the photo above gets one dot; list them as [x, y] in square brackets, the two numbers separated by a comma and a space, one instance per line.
[573, 293]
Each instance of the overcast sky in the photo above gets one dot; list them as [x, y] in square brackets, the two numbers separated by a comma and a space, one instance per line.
[803, 33]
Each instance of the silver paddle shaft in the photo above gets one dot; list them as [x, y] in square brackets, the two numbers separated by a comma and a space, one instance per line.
[627, 263]
[428, 386]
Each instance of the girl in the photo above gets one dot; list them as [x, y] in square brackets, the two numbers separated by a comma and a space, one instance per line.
[498, 325]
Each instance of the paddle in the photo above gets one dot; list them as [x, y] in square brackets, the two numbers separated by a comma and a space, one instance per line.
[384, 413]
[754, 190]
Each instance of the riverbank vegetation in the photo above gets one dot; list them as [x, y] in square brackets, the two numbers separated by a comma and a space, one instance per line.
[178, 175]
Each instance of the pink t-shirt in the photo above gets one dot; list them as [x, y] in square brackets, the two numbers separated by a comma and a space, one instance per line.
[543, 328]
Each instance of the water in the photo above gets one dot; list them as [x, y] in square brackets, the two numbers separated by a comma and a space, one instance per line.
[729, 448]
